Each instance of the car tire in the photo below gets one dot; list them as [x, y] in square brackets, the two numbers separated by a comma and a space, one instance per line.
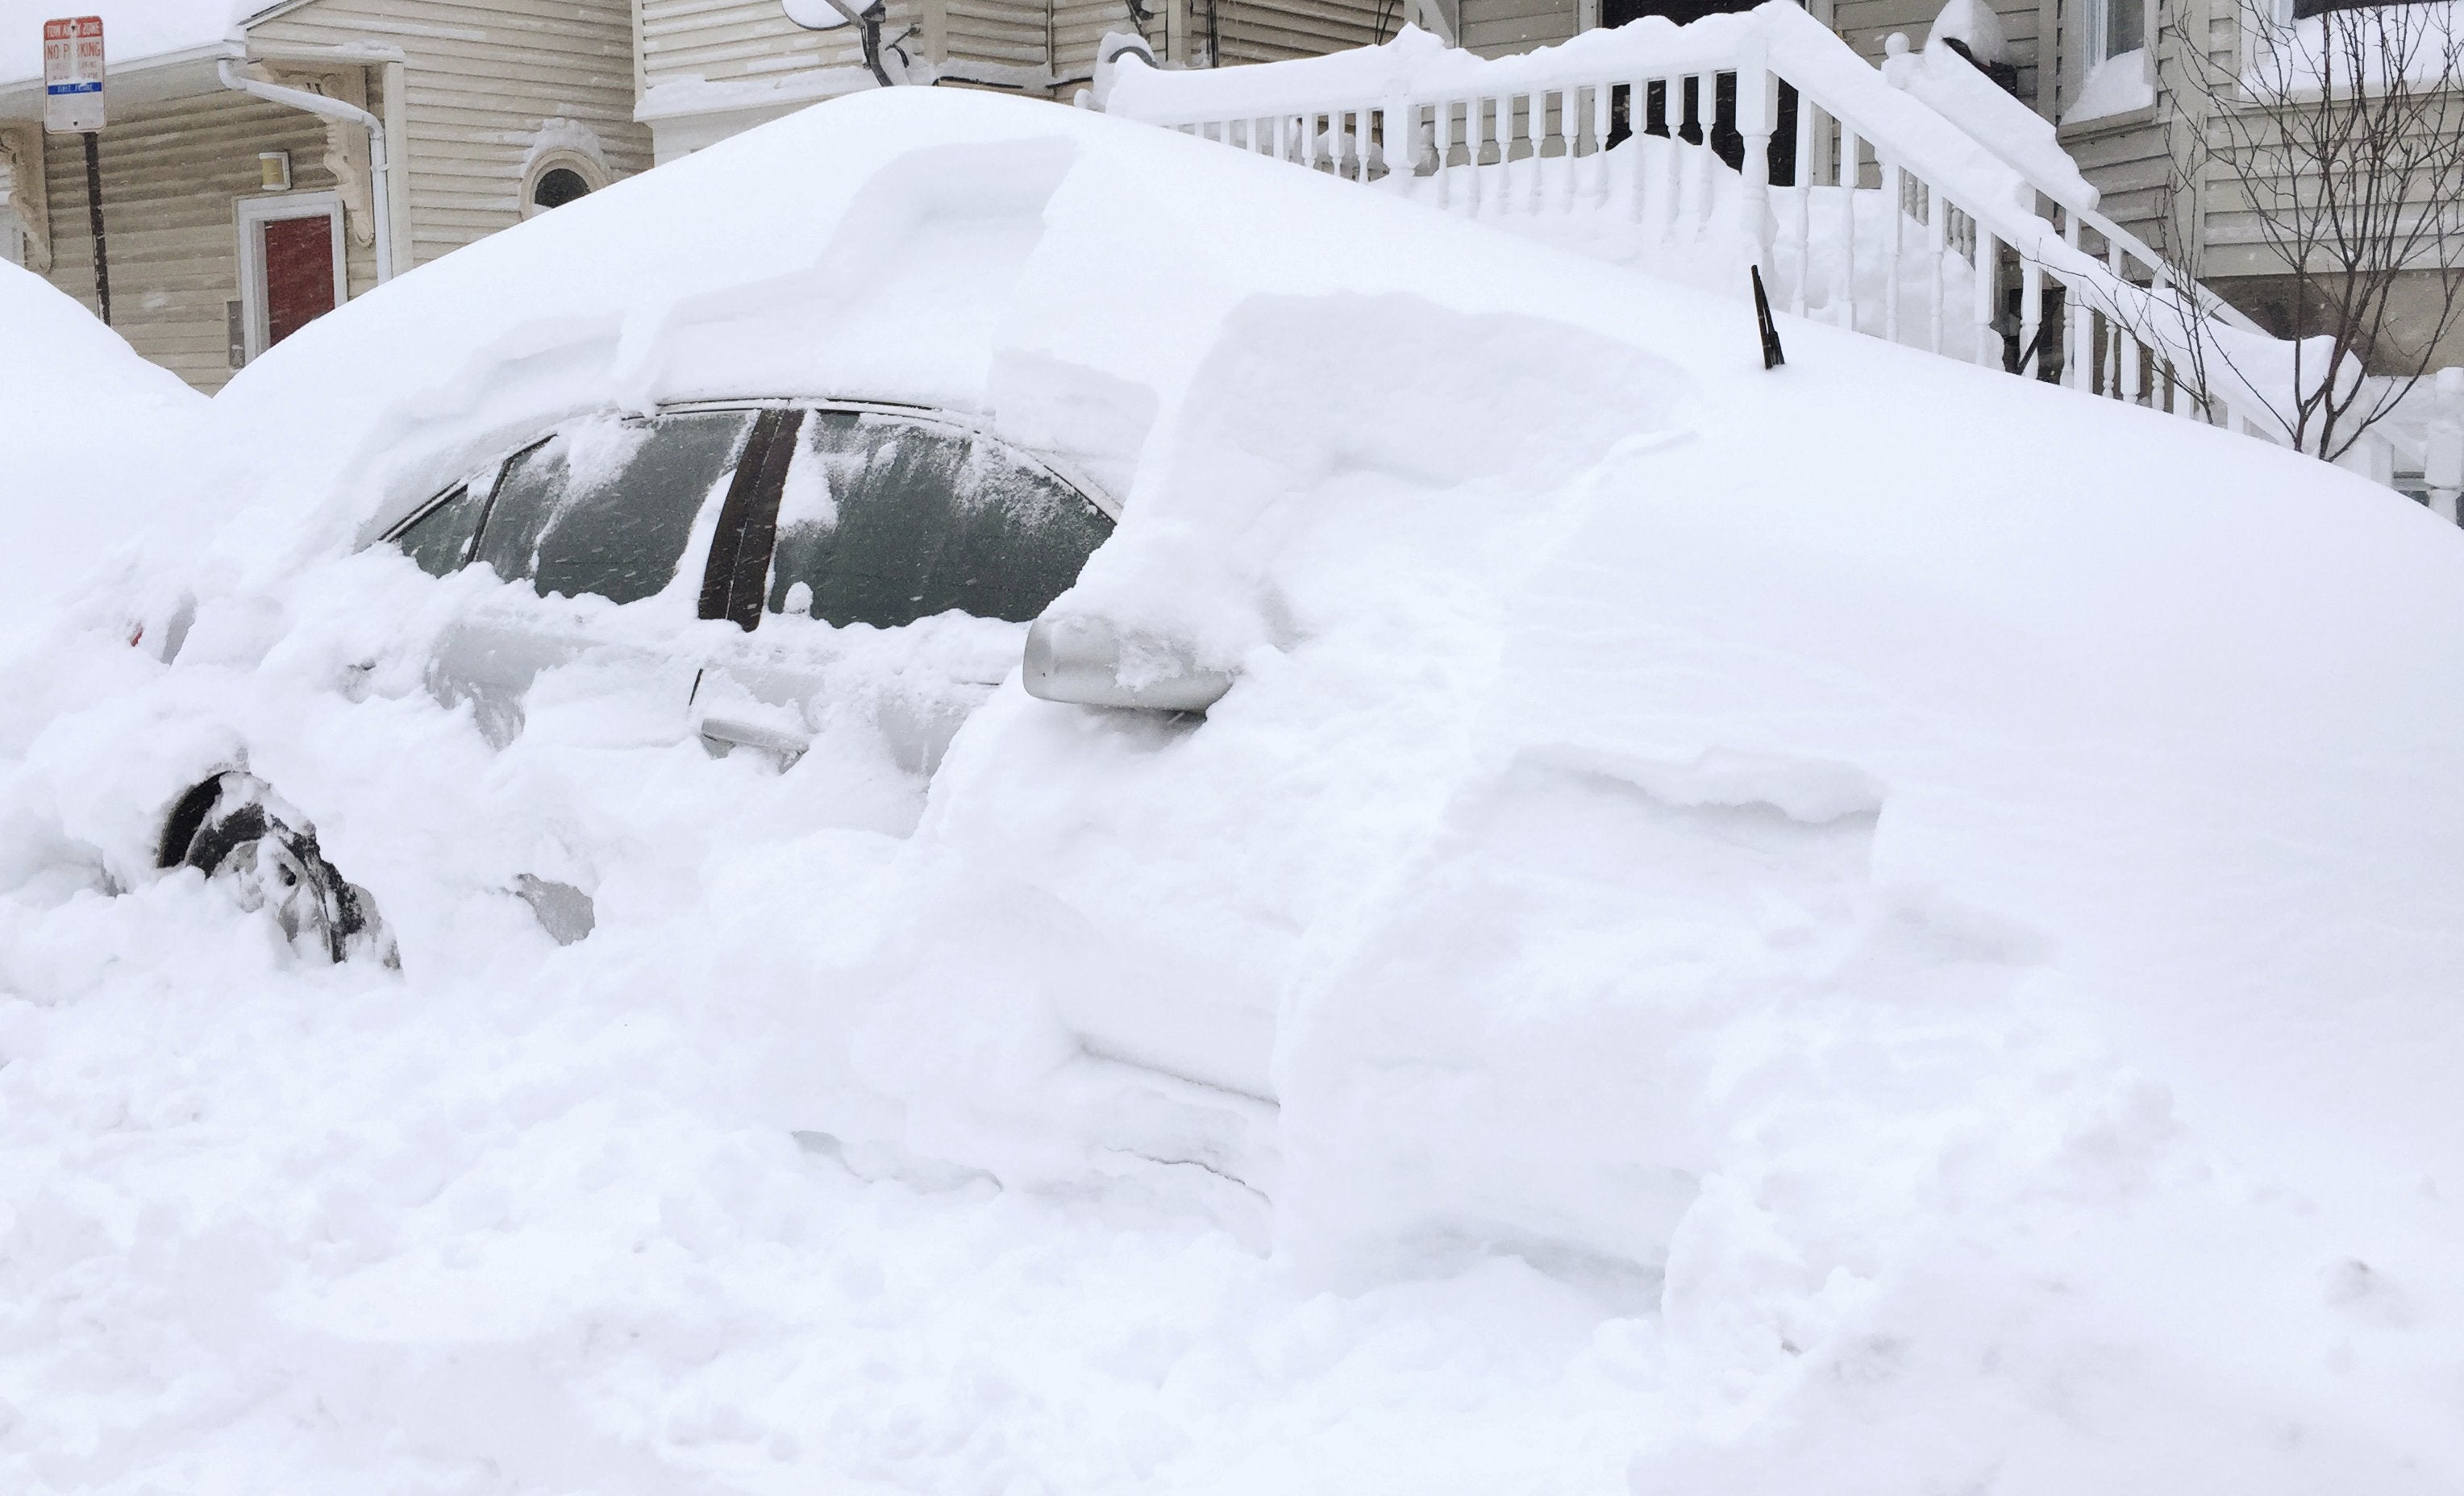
[248, 841]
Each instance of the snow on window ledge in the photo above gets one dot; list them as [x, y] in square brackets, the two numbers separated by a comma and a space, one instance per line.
[2117, 85]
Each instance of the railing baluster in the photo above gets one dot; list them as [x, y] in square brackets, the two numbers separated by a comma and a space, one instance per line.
[1535, 124]
[1894, 203]
[2032, 316]
[1757, 116]
[1536, 106]
[1850, 169]
[1937, 249]
[1569, 135]
[1442, 135]
[1797, 292]
[1988, 270]
[1601, 138]
[1672, 184]
[1476, 136]
[1636, 93]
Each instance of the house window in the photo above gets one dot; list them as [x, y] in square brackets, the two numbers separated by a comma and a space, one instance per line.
[2120, 27]
[559, 177]
[558, 188]
[291, 269]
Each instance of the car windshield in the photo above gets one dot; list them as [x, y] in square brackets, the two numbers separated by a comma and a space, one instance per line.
[885, 519]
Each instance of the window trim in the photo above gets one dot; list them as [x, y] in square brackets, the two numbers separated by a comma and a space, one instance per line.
[593, 173]
[2100, 32]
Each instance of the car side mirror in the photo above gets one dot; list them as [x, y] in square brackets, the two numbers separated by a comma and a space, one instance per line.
[1088, 661]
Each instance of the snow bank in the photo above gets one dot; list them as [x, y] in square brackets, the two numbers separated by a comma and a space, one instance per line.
[90, 427]
[1867, 926]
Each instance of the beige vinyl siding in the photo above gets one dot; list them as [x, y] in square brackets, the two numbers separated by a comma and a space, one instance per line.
[722, 41]
[1272, 30]
[170, 175]
[1494, 28]
[478, 82]
[2128, 164]
[1004, 33]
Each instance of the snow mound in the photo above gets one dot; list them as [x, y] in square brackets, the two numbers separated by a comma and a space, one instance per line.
[1870, 926]
[90, 430]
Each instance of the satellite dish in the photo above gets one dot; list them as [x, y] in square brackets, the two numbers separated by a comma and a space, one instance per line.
[815, 15]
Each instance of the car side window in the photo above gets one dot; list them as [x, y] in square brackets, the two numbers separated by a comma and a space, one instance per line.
[884, 521]
[439, 540]
[606, 505]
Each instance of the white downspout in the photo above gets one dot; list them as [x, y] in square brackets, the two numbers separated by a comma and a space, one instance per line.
[380, 166]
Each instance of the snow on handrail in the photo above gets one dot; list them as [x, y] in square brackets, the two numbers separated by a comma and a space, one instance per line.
[1525, 135]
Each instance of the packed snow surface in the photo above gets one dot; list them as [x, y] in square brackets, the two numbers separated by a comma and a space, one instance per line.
[1864, 927]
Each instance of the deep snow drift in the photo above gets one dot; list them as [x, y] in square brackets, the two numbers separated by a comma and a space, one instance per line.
[1871, 927]
[90, 427]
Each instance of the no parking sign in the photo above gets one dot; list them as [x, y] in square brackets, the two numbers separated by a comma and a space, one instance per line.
[73, 75]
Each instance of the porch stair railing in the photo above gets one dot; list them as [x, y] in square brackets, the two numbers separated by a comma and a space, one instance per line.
[1888, 218]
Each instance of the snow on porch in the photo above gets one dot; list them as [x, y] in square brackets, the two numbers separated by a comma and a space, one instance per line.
[1973, 237]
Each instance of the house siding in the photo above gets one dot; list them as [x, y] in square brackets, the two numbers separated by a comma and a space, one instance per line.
[2128, 162]
[478, 80]
[1273, 31]
[1004, 33]
[720, 41]
[1495, 28]
[170, 175]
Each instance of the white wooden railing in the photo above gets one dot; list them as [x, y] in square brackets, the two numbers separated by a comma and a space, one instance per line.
[1894, 222]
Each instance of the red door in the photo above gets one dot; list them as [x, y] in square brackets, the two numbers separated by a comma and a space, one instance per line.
[299, 274]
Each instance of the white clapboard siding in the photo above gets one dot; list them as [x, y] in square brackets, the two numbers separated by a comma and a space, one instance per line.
[479, 78]
[719, 41]
[171, 174]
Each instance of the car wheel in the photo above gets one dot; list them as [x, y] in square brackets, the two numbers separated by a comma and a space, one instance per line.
[248, 841]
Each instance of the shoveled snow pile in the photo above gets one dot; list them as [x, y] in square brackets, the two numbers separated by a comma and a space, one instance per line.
[1870, 927]
[86, 427]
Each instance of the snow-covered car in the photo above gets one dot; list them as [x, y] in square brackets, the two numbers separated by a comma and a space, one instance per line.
[1855, 908]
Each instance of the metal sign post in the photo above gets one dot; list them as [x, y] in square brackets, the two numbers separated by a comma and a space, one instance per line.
[73, 105]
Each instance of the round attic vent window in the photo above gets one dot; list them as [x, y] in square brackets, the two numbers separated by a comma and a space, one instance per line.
[558, 187]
